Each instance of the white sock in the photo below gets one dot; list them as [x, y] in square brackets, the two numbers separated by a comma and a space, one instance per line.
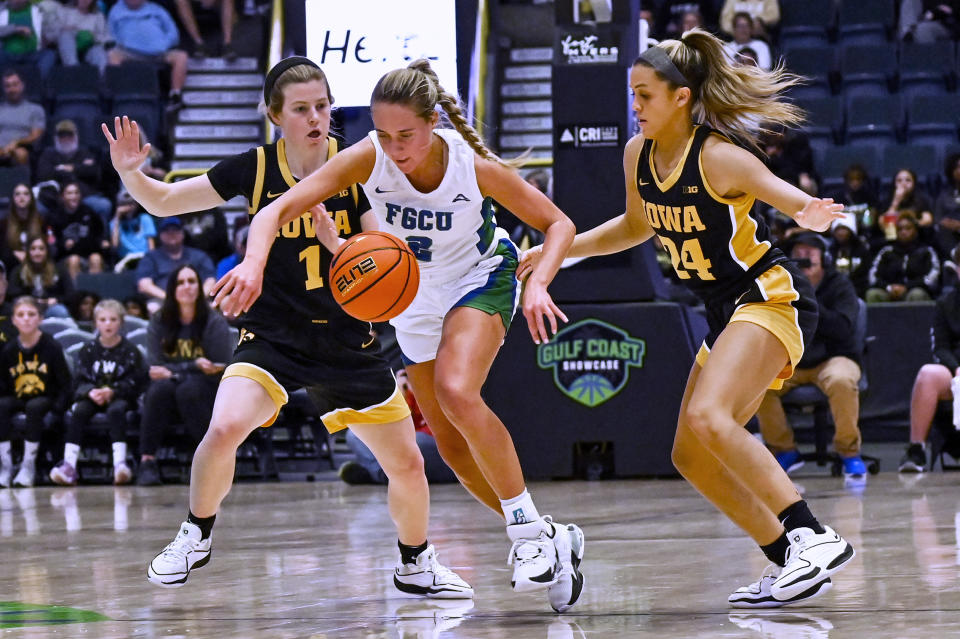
[71, 452]
[30, 453]
[6, 460]
[119, 453]
[520, 509]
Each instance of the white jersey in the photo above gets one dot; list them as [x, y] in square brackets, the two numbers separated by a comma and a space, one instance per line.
[450, 229]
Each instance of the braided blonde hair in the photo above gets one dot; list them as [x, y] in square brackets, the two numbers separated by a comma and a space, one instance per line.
[740, 101]
[418, 87]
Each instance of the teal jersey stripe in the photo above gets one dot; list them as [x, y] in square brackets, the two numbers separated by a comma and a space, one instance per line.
[488, 227]
[498, 295]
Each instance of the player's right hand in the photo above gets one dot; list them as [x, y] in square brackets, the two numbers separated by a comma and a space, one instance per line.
[125, 152]
[324, 227]
[236, 291]
[528, 262]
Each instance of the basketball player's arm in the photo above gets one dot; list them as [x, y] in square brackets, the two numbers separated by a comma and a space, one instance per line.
[159, 198]
[732, 171]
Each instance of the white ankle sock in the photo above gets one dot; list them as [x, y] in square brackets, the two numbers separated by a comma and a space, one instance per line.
[6, 459]
[519, 509]
[119, 453]
[71, 453]
[30, 453]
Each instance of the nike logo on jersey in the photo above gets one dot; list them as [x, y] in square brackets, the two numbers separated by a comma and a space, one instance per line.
[377, 189]
[271, 195]
[461, 198]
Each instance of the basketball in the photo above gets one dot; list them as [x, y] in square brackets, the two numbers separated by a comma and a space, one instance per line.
[374, 276]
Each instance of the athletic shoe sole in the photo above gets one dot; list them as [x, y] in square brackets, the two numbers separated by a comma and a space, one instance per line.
[768, 601]
[169, 581]
[433, 592]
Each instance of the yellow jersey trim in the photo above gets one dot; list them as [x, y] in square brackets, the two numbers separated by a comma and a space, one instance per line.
[671, 179]
[276, 392]
[390, 411]
[282, 162]
[258, 182]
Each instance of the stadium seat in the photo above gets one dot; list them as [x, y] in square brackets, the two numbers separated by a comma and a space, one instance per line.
[836, 160]
[864, 21]
[922, 159]
[54, 325]
[824, 118]
[933, 120]
[10, 176]
[87, 116]
[119, 286]
[873, 120]
[817, 65]
[80, 83]
[925, 69]
[70, 336]
[147, 115]
[867, 70]
[131, 323]
[132, 81]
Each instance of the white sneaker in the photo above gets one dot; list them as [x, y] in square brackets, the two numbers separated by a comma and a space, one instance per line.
[172, 566]
[6, 474]
[122, 474]
[757, 594]
[536, 563]
[811, 558]
[25, 477]
[565, 592]
[428, 577]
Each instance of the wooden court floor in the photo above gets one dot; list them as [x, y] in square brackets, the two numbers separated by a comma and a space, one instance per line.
[315, 560]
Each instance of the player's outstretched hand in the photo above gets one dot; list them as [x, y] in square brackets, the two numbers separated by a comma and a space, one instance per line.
[537, 303]
[818, 214]
[528, 262]
[324, 227]
[125, 151]
[236, 291]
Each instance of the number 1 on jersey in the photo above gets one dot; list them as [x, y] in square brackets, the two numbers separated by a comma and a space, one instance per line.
[312, 255]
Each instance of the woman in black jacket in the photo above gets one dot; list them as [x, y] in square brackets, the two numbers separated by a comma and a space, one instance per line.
[906, 269]
[187, 346]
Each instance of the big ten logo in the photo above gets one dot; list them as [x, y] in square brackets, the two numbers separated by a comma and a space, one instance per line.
[423, 220]
[348, 280]
[303, 226]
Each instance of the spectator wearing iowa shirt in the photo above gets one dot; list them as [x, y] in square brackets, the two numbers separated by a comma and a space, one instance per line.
[34, 378]
[110, 374]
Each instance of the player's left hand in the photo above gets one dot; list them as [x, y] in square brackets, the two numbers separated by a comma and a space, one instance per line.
[818, 214]
[236, 291]
[537, 303]
[324, 227]
[528, 261]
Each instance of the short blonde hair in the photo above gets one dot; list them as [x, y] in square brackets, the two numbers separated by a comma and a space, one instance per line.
[108, 305]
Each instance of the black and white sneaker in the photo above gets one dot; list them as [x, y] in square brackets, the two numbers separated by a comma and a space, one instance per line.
[187, 551]
[758, 595]
[914, 460]
[811, 558]
[429, 578]
[565, 592]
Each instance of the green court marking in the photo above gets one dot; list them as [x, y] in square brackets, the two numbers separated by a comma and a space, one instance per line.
[21, 615]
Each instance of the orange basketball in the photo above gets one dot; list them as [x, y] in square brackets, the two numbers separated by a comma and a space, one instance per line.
[374, 276]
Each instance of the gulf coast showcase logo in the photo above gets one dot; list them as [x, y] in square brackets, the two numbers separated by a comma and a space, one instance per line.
[591, 360]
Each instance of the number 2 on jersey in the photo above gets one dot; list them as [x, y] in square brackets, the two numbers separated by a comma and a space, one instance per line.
[312, 255]
[688, 258]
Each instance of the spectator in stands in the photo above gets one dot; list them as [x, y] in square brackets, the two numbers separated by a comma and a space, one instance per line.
[82, 305]
[135, 307]
[110, 374]
[789, 157]
[691, 20]
[933, 382]
[80, 30]
[188, 345]
[23, 222]
[39, 277]
[929, 20]
[946, 209]
[21, 35]
[132, 231]
[670, 19]
[653, 35]
[830, 362]
[207, 231]
[743, 38]
[765, 15]
[857, 195]
[145, 32]
[906, 269]
[239, 250]
[747, 56]
[7, 330]
[69, 161]
[83, 244]
[189, 22]
[21, 122]
[906, 196]
[849, 254]
[34, 379]
[157, 265]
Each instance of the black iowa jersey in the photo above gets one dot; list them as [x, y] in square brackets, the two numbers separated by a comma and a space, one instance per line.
[716, 246]
[295, 278]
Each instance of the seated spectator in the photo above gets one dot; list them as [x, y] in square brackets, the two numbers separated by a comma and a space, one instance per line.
[34, 379]
[207, 231]
[157, 265]
[110, 375]
[849, 254]
[830, 362]
[765, 15]
[22, 123]
[946, 209]
[21, 41]
[906, 269]
[82, 305]
[692, 19]
[21, 223]
[145, 32]
[653, 35]
[905, 196]
[743, 39]
[136, 307]
[80, 30]
[239, 250]
[83, 242]
[189, 21]
[670, 20]
[790, 157]
[132, 231]
[188, 346]
[7, 330]
[747, 56]
[929, 20]
[42, 279]
[69, 161]
[858, 196]
[933, 382]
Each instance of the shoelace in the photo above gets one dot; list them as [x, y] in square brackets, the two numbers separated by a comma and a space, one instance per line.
[525, 550]
[442, 573]
[772, 571]
[179, 548]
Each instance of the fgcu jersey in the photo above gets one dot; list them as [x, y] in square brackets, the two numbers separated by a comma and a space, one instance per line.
[294, 280]
[449, 229]
[715, 244]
